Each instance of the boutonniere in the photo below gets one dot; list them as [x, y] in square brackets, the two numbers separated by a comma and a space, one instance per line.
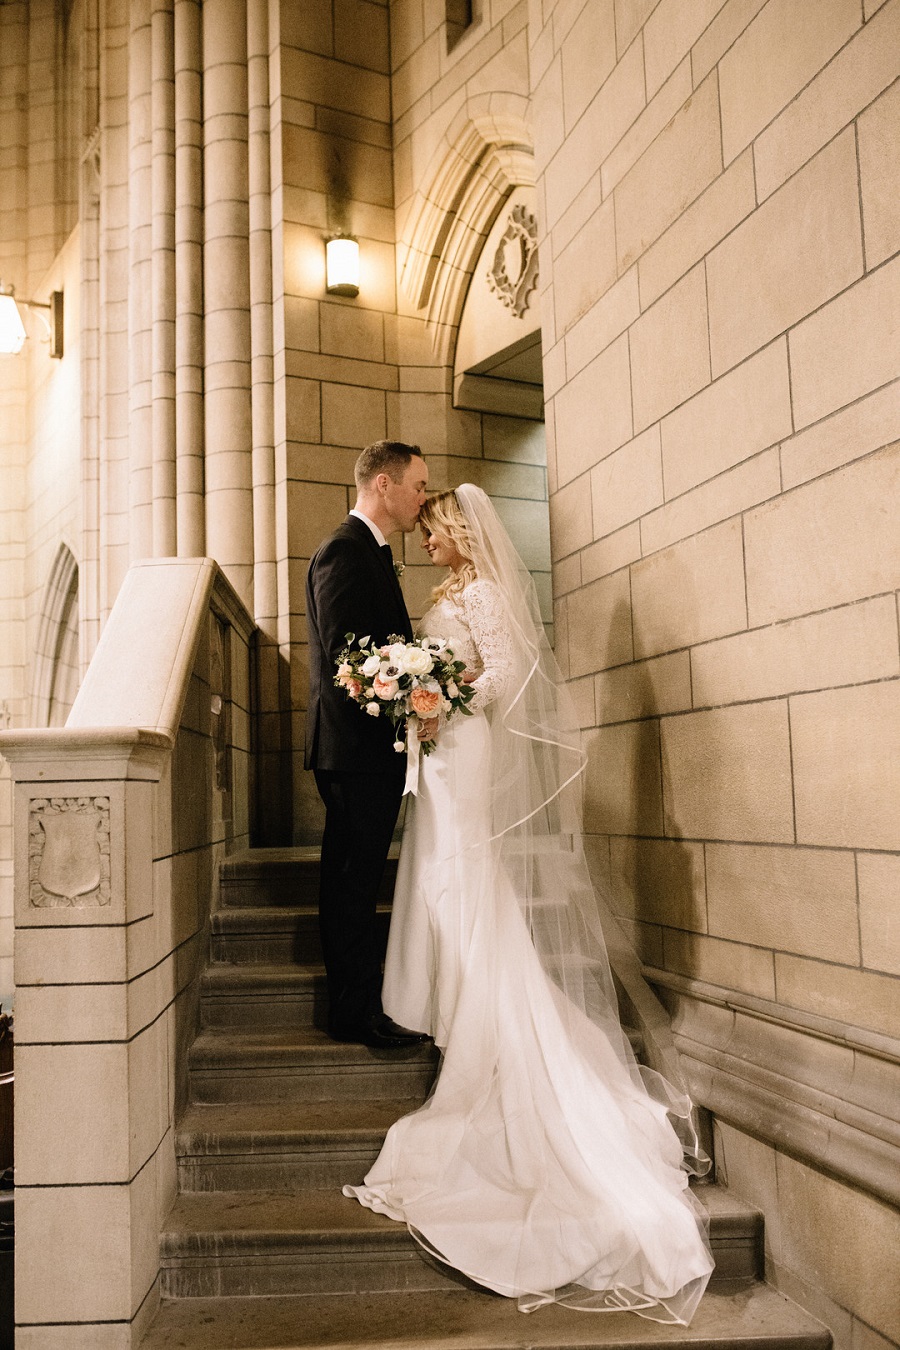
[399, 569]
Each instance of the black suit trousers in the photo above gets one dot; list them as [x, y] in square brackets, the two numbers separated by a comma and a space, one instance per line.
[360, 814]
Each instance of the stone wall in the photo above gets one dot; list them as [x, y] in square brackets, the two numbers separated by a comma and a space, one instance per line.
[720, 298]
[353, 370]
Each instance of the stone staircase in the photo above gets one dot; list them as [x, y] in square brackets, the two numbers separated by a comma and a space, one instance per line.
[281, 1117]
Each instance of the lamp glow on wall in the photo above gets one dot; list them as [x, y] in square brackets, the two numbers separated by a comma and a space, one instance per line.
[342, 265]
[12, 329]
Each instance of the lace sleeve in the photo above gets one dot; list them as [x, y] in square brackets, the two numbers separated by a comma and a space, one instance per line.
[490, 633]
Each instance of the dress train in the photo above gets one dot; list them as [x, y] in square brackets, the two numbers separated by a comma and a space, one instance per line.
[540, 1166]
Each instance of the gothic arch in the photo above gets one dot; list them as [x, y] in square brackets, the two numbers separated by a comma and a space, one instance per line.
[57, 672]
[486, 152]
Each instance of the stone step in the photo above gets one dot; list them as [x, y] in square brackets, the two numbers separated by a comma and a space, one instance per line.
[232, 1244]
[287, 1147]
[302, 1065]
[271, 877]
[274, 933]
[278, 996]
[263, 996]
[752, 1317]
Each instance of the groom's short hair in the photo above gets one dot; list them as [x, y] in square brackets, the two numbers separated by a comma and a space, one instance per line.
[390, 457]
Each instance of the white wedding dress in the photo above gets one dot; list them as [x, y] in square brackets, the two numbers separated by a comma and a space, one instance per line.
[540, 1166]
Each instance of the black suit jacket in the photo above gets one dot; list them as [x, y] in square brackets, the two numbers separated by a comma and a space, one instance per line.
[351, 587]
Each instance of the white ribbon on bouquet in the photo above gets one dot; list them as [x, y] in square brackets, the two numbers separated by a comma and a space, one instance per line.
[413, 756]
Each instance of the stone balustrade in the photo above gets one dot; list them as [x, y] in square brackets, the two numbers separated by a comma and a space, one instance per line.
[120, 821]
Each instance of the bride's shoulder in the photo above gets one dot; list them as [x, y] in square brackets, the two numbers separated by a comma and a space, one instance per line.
[481, 594]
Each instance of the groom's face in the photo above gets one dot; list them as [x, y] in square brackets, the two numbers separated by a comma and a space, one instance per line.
[404, 500]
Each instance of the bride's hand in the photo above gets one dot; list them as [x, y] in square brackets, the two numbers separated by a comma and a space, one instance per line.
[428, 730]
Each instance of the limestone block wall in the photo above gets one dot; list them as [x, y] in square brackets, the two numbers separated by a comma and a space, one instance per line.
[352, 370]
[719, 304]
[462, 142]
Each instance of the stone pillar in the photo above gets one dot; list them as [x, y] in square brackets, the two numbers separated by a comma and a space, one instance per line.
[88, 1177]
[273, 787]
[262, 366]
[226, 271]
[140, 288]
[114, 256]
[162, 105]
[189, 278]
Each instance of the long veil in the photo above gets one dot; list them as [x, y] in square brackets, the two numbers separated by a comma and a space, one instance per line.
[535, 844]
[537, 764]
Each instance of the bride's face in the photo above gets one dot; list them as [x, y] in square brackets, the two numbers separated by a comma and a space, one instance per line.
[442, 551]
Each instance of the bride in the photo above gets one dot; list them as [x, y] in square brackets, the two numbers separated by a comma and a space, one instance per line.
[544, 1165]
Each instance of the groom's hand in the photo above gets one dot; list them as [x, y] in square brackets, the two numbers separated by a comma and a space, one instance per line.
[428, 729]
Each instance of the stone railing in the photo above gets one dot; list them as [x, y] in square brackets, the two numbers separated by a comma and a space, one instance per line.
[120, 821]
[818, 1090]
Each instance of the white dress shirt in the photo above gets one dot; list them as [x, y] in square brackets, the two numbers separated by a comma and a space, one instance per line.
[379, 537]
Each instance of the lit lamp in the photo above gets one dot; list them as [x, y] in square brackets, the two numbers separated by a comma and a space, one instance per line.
[12, 329]
[342, 265]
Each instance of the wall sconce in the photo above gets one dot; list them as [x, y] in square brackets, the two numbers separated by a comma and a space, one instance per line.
[342, 265]
[12, 329]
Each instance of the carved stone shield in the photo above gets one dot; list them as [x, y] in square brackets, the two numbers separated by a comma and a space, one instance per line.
[70, 865]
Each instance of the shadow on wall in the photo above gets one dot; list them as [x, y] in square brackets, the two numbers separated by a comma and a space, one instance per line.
[656, 880]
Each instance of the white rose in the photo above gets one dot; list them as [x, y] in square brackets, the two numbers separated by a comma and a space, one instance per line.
[452, 689]
[371, 666]
[372, 709]
[416, 661]
[396, 653]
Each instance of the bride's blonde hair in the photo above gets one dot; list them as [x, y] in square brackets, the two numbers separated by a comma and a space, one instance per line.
[441, 515]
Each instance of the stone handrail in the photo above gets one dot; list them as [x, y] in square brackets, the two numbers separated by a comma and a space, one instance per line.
[120, 821]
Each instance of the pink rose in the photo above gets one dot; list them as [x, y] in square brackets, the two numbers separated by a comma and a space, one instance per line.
[384, 688]
[353, 687]
[425, 702]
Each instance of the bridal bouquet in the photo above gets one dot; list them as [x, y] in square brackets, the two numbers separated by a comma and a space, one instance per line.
[403, 681]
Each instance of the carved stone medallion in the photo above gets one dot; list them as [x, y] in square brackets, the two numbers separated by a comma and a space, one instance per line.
[514, 273]
[68, 852]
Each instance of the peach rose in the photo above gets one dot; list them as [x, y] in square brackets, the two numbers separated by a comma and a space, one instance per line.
[425, 702]
[353, 687]
[384, 688]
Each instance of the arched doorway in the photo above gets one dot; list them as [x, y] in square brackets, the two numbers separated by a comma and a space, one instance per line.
[57, 667]
[498, 371]
[469, 265]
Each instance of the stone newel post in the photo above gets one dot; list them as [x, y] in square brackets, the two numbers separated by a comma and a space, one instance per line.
[91, 1038]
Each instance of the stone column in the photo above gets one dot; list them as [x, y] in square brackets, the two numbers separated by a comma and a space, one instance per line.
[140, 287]
[162, 105]
[273, 790]
[262, 365]
[114, 256]
[91, 1047]
[189, 278]
[226, 272]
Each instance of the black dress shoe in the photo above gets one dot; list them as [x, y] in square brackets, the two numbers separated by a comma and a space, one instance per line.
[380, 1033]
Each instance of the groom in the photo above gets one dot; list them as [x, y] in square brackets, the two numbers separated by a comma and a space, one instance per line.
[352, 588]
